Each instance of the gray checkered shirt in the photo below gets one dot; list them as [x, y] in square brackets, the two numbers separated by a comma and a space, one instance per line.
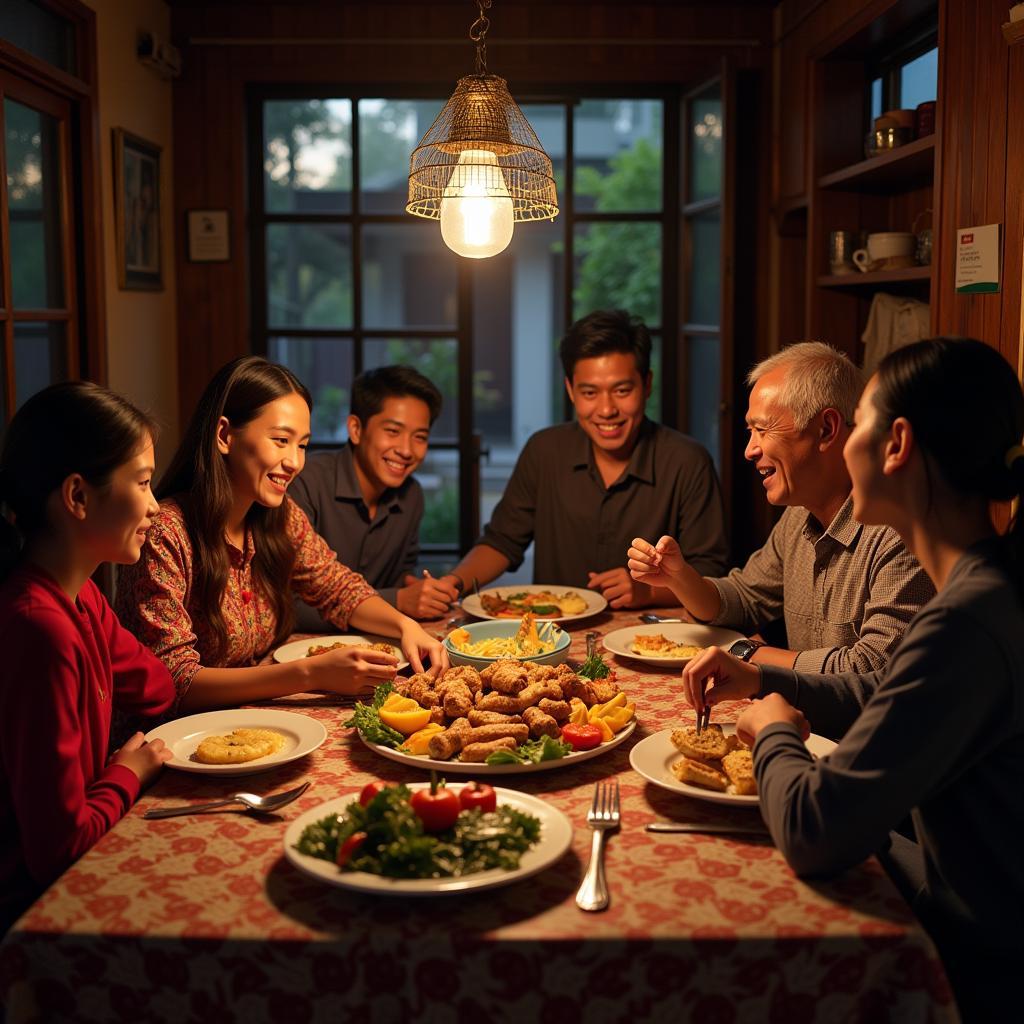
[846, 593]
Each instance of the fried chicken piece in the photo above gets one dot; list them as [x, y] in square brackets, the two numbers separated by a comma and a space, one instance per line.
[485, 733]
[500, 702]
[540, 673]
[578, 687]
[477, 718]
[535, 691]
[487, 674]
[479, 752]
[559, 710]
[455, 696]
[707, 745]
[467, 674]
[445, 744]
[604, 690]
[697, 773]
[509, 677]
[420, 687]
[437, 715]
[540, 724]
[401, 687]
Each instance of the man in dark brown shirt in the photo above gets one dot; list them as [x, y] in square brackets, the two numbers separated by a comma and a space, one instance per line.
[579, 490]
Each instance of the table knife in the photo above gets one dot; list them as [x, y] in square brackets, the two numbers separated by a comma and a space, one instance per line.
[710, 828]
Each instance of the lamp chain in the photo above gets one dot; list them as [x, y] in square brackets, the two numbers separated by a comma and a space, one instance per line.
[478, 33]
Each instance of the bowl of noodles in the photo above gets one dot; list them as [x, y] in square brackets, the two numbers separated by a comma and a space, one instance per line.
[481, 643]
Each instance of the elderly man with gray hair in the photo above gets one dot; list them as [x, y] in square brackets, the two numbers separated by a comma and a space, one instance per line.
[846, 591]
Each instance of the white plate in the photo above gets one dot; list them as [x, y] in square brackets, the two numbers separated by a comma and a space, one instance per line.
[620, 642]
[302, 735]
[653, 756]
[297, 648]
[475, 768]
[555, 839]
[595, 601]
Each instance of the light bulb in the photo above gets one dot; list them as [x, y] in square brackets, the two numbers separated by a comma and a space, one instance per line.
[476, 208]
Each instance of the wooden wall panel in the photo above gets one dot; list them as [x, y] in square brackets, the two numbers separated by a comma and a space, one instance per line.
[982, 159]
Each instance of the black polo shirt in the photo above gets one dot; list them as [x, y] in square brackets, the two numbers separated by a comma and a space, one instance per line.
[383, 549]
[556, 497]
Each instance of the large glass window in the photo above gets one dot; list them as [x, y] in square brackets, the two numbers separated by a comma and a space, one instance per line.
[348, 281]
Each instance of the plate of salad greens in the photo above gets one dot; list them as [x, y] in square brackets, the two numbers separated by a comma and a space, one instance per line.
[386, 847]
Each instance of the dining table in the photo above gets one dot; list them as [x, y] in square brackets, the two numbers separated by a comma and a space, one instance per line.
[203, 917]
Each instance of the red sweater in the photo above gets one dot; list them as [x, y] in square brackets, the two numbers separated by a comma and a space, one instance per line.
[63, 667]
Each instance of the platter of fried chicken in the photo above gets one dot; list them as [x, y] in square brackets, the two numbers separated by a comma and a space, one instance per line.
[509, 717]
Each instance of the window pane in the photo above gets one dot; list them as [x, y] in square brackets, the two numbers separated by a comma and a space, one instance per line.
[919, 80]
[876, 99]
[437, 360]
[703, 386]
[438, 475]
[388, 132]
[307, 156]
[309, 275]
[548, 121]
[408, 276]
[33, 192]
[617, 151]
[706, 145]
[45, 34]
[40, 357]
[618, 266]
[324, 365]
[704, 271]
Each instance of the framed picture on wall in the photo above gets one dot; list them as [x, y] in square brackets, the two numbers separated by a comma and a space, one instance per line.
[137, 211]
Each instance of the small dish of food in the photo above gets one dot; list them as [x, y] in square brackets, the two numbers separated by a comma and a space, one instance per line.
[314, 646]
[667, 645]
[711, 765]
[546, 602]
[240, 741]
[482, 643]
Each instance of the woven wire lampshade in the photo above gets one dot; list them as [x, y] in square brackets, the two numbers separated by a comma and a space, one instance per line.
[482, 117]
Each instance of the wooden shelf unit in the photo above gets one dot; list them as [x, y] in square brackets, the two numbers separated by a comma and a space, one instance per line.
[875, 279]
[913, 162]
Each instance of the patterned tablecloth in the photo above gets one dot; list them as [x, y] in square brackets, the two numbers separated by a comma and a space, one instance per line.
[202, 919]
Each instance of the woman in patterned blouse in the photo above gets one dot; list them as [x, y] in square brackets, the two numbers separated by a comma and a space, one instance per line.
[228, 551]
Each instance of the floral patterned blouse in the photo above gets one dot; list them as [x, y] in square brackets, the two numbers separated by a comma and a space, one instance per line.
[155, 599]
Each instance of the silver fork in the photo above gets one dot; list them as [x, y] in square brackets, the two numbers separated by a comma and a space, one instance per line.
[264, 804]
[703, 717]
[602, 816]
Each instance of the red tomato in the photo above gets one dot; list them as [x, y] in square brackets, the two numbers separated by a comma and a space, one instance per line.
[581, 737]
[477, 794]
[370, 790]
[348, 849]
[436, 807]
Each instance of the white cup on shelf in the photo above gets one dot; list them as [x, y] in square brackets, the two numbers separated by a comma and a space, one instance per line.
[886, 250]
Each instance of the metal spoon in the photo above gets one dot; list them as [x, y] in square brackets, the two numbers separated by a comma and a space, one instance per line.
[264, 804]
[653, 620]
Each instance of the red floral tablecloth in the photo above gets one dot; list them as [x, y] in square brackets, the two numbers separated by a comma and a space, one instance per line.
[202, 919]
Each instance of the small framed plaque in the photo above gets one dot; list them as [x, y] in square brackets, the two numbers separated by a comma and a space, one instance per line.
[209, 240]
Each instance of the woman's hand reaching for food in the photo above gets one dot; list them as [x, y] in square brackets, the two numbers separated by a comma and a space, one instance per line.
[715, 676]
[351, 670]
[767, 711]
[419, 646]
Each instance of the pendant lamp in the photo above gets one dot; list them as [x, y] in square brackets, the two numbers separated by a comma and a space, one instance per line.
[480, 167]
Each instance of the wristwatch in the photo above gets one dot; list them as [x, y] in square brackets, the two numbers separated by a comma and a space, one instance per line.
[744, 649]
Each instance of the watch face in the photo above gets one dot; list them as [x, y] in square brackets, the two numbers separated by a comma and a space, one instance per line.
[743, 649]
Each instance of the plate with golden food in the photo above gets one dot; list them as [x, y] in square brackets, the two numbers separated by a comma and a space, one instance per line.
[317, 645]
[243, 741]
[512, 716]
[667, 645]
[544, 601]
[712, 765]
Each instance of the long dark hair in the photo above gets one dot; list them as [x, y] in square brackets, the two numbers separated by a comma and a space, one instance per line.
[72, 427]
[967, 409]
[198, 479]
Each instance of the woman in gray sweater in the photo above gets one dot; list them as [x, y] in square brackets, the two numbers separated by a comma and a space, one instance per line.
[938, 734]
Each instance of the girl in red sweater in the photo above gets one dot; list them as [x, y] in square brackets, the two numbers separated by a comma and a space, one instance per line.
[75, 476]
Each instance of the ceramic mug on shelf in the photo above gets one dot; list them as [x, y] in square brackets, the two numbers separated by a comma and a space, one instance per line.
[886, 250]
[841, 245]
